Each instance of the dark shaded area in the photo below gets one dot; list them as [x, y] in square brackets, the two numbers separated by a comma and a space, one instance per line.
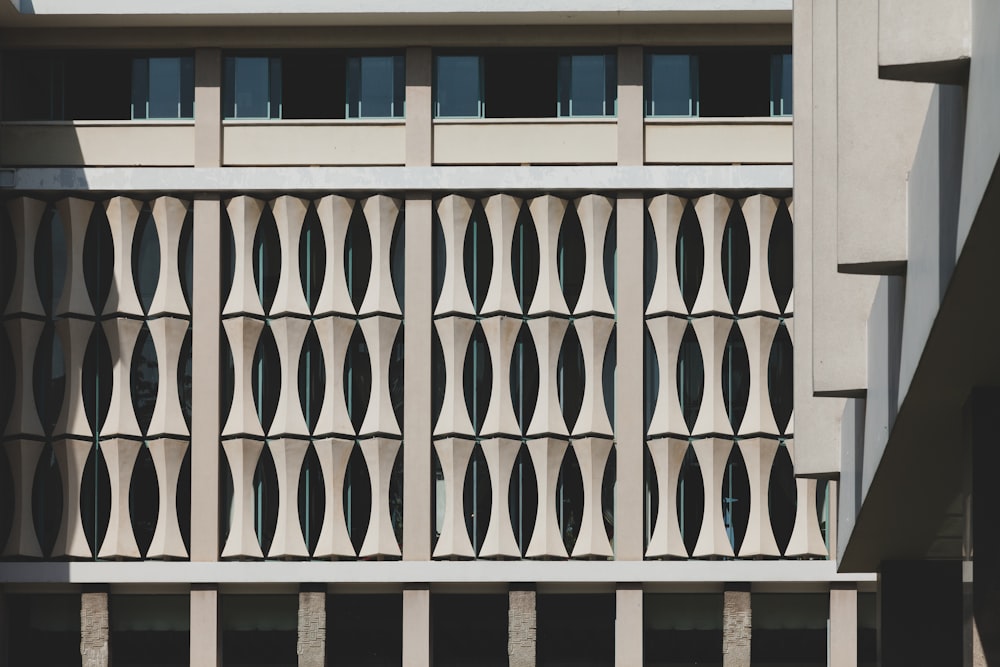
[576, 630]
[469, 630]
[366, 630]
[44, 630]
[920, 614]
[520, 84]
[734, 83]
[259, 630]
[735, 377]
[148, 630]
[682, 629]
[313, 84]
[78, 85]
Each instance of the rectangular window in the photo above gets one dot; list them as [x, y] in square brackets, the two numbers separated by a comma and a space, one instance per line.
[163, 87]
[671, 84]
[458, 87]
[252, 87]
[375, 87]
[587, 85]
[781, 84]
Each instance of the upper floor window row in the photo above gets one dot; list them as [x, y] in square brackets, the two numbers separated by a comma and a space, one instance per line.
[719, 83]
[525, 84]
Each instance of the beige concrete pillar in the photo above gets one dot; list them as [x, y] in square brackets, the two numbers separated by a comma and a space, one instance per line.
[205, 384]
[417, 381]
[628, 625]
[311, 645]
[522, 624]
[208, 108]
[843, 625]
[628, 391]
[206, 640]
[417, 625]
[94, 628]
[736, 625]
[631, 115]
[419, 107]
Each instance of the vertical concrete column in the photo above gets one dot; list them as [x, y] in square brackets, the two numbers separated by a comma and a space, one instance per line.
[843, 625]
[312, 626]
[628, 625]
[417, 625]
[419, 111]
[736, 625]
[417, 381]
[984, 627]
[205, 319]
[206, 640]
[631, 115]
[629, 436]
[522, 624]
[94, 628]
[208, 108]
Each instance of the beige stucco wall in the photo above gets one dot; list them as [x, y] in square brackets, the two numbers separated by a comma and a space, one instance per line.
[923, 31]
[556, 141]
[287, 143]
[728, 141]
[98, 144]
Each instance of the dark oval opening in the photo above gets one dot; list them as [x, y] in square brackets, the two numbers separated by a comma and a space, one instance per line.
[690, 376]
[98, 259]
[572, 376]
[608, 494]
[185, 258]
[780, 256]
[357, 498]
[651, 505]
[49, 377]
[184, 378]
[96, 367]
[396, 497]
[650, 259]
[439, 376]
[396, 376]
[51, 259]
[736, 499]
[95, 499]
[311, 377]
[144, 499]
[780, 381]
[735, 377]
[311, 499]
[183, 502]
[265, 496]
[357, 256]
[439, 257]
[608, 375]
[312, 257]
[690, 500]
[735, 256]
[477, 378]
[477, 253]
[523, 498]
[397, 260]
[611, 258]
[227, 259]
[146, 257]
[477, 498]
[266, 378]
[571, 251]
[690, 255]
[144, 378]
[524, 377]
[266, 258]
[47, 499]
[357, 378]
[781, 498]
[524, 257]
[569, 499]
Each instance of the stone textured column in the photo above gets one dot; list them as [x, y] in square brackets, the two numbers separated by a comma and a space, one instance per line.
[628, 625]
[311, 646]
[736, 626]
[207, 108]
[205, 636]
[94, 629]
[419, 112]
[417, 626]
[843, 625]
[522, 622]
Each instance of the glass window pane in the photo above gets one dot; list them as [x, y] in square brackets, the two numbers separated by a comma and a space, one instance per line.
[587, 86]
[187, 87]
[786, 84]
[140, 87]
[251, 88]
[376, 87]
[458, 86]
[671, 90]
[164, 87]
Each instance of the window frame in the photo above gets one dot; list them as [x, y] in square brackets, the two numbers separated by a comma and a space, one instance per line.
[230, 110]
[781, 74]
[353, 102]
[694, 102]
[564, 83]
[481, 101]
[141, 80]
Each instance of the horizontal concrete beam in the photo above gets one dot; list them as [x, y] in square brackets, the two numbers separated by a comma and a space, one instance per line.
[388, 179]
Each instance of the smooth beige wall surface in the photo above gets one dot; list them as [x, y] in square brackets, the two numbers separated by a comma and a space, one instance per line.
[750, 141]
[526, 142]
[98, 144]
[333, 143]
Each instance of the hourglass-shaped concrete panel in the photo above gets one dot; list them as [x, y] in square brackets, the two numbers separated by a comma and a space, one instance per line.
[119, 455]
[594, 333]
[713, 454]
[592, 542]
[334, 214]
[381, 213]
[334, 337]
[758, 333]
[713, 213]
[74, 214]
[500, 455]
[665, 212]
[243, 333]
[758, 456]
[790, 327]
[502, 212]
[454, 454]
[288, 455]
[289, 334]
[123, 214]
[666, 334]
[122, 334]
[594, 212]
[807, 538]
[289, 215]
[22, 456]
[546, 539]
[334, 540]
[244, 216]
[380, 456]
[168, 216]
[71, 457]
[242, 455]
[168, 336]
[712, 332]
[667, 455]
[501, 336]
[74, 335]
[25, 218]
[380, 334]
[454, 213]
[758, 211]
[168, 456]
[454, 333]
[548, 334]
[23, 335]
[790, 306]
[547, 212]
